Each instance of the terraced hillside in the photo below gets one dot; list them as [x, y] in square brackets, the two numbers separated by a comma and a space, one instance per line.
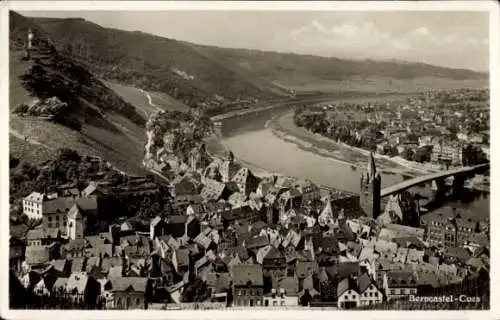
[111, 117]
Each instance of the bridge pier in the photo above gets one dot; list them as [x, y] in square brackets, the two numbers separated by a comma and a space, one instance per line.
[439, 189]
[458, 184]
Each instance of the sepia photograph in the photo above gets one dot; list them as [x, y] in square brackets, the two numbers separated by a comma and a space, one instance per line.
[239, 159]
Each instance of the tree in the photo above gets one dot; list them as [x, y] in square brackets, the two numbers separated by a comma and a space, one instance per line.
[66, 154]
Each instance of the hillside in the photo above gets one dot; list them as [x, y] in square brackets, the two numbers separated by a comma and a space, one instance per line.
[196, 73]
[100, 119]
[151, 62]
[308, 72]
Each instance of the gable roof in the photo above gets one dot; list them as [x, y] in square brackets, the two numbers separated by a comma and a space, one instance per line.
[344, 285]
[137, 284]
[78, 281]
[245, 274]
[36, 255]
[364, 282]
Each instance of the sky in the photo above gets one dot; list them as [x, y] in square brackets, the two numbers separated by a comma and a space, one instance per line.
[445, 38]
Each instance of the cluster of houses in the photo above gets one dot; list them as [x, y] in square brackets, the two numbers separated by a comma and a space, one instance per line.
[420, 123]
[240, 241]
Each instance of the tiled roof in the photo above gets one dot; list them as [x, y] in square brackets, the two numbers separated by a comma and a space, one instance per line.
[182, 257]
[78, 281]
[78, 264]
[459, 253]
[35, 197]
[290, 285]
[401, 279]
[220, 281]
[257, 242]
[244, 274]
[364, 282]
[262, 253]
[43, 233]
[120, 284]
[304, 269]
[37, 255]
[344, 285]
[212, 189]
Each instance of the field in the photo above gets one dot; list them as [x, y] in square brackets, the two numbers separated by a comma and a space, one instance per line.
[380, 84]
[140, 100]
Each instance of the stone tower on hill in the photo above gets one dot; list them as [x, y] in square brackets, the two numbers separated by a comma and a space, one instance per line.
[369, 198]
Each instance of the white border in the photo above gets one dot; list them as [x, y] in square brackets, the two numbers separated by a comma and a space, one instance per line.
[485, 6]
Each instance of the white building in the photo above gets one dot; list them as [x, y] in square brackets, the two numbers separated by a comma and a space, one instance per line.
[369, 294]
[348, 297]
[33, 205]
[75, 225]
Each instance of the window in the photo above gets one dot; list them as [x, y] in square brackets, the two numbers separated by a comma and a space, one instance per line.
[57, 218]
[282, 303]
[49, 218]
[353, 297]
[393, 291]
[375, 294]
[275, 303]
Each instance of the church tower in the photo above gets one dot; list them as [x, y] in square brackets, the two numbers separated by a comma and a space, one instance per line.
[369, 198]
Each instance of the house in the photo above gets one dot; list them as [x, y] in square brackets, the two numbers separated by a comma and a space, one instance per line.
[186, 185]
[246, 181]
[37, 256]
[62, 267]
[284, 293]
[128, 292]
[228, 168]
[17, 248]
[157, 227]
[274, 262]
[42, 237]
[415, 256]
[347, 294]
[399, 284]
[55, 211]
[74, 248]
[80, 288]
[369, 293]
[182, 226]
[214, 190]
[248, 285]
[32, 205]
[218, 286]
[310, 191]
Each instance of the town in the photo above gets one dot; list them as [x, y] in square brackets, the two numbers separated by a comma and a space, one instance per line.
[196, 227]
[232, 239]
[440, 129]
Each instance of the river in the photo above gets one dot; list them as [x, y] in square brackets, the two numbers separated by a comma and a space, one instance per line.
[248, 138]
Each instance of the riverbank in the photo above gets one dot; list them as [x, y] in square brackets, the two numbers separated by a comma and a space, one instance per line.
[284, 128]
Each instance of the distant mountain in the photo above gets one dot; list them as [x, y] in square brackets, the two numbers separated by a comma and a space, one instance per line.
[274, 66]
[196, 73]
[156, 63]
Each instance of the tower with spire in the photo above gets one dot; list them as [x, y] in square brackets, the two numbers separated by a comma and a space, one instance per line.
[370, 183]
